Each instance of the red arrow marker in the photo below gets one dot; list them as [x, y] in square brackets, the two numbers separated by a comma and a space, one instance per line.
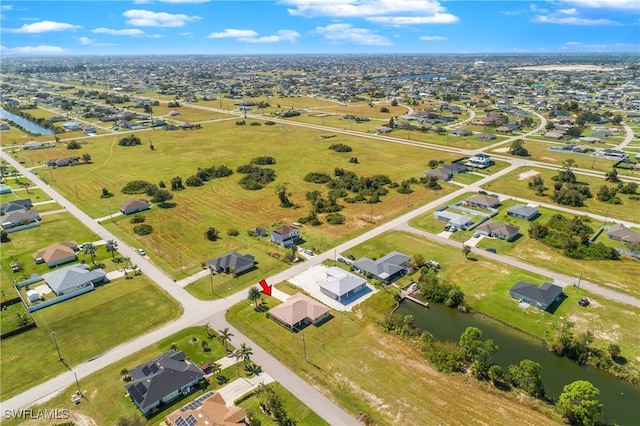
[266, 288]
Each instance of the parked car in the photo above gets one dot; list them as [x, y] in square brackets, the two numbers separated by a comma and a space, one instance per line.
[491, 250]
[476, 235]
[433, 263]
[584, 301]
[482, 192]
[142, 252]
[342, 260]
[350, 256]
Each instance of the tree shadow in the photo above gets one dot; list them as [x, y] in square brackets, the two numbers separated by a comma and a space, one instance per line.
[167, 205]
[620, 360]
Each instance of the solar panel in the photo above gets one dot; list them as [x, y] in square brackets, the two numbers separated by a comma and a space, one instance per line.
[191, 421]
[181, 422]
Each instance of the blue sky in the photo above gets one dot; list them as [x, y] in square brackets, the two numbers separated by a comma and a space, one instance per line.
[317, 26]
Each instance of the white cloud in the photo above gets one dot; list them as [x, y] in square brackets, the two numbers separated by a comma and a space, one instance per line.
[432, 38]
[6, 7]
[346, 32]
[86, 40]
[184, 1]
[134, 32]
[232, 33]
[186, 34]
[572, 11]
[571, 20]
[146, 18]
[606, 4]
[41, 50]
[389, 12]
[251, 36]
[44, 27]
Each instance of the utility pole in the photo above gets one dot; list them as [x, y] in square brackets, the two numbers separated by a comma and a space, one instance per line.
[180, 256]
[304, 347]
[580, 279]
[53, 334]
[211, 280]
[606, 216]
[77, 384]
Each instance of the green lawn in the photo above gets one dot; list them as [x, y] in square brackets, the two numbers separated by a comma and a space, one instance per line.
[106, 402]
[85, 327]
[467, 178]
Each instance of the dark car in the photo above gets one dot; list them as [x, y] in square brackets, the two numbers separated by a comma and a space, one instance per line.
[350, 256]
[482, 192]
[342, 260]
[491, 250]
[584, 301]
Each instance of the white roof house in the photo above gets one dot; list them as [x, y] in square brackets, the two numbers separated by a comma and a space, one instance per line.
[341, 284]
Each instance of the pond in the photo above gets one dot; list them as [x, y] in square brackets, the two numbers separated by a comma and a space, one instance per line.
[29, 126]
[621, 399]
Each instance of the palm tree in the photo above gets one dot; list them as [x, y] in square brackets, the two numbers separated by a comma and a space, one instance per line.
[254, 295]
[216, 368]
[224, 336]
[90, 249]
[125, 375]
[466, 250]
[254, 369]
[112, 246]
[207, 329]
[245, 353]
[205, 346]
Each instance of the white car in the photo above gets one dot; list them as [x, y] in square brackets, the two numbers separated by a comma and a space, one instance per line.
[142, 252]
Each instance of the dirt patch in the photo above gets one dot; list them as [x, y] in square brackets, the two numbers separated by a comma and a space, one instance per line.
[528, 174]
[506, 149]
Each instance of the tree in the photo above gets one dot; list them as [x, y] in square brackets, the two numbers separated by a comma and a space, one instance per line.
[253, 369]
[612, 176]
[224, 336]
[90, 249]
[112, 246]
[433, 164]
[477, 351]
[106, 193]
[579, 403]
[254, 295]
[466, 250]
[176, 183]
[131, 420]
[614, 350]
[86, 157]
[283, 195]
[161, 197]
[211, 233]
[4, 236]
[244, 352]
[517, 148]
[73, 145]
[125, 375]
[417, 260]
[526, 375]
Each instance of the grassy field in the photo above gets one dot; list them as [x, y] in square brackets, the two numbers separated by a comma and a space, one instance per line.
[486, 284]
[85, 327]
[376, 373]
[222, 203]
[106, 402]
[515, 184]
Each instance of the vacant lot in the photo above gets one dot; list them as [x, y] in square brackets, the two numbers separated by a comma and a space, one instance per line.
[222, 203]
[85, 327]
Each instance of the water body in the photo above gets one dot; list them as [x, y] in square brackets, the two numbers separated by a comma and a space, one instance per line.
[29, 126]
[621, 399]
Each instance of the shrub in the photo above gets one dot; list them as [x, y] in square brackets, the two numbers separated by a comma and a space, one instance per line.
[316, 177]
[335, 219]
[240, 123]
[384, 109]
[269, 123]
[130, 140]
[138, 218]
[135, 187]
[340, 147]
[291, 113]
[194, 181]
[263, 160]
[143, 229]
[73, 145]
[233, 232]
[255, 123]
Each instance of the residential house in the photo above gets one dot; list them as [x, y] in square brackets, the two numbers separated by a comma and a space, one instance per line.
[71, 126]
[57, 254]
[134, 206]
[541, 297]
[619, 232]
[232, 261]
[522, 211]
[554, 134]
[461, 132]
[341, 284]
[482, 201]
[36, 145]
[383, 129]
[17, 218]
[285, 236]
[162, 380]
[207, 410]
[487, 136]
[75, 277]
[441, 174]
[298, 311]
[498, 230]
[480, 161]
[459, 220]
[387, 269]
[456, 168]
[5, 189]
[16, 205]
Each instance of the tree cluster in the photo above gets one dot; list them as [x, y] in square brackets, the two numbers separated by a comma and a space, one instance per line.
[130, 140]
[430, 182]
[263, 160]
[438, 290]
[255, 177]
[273, 404]
[537, 184]
[73, 145]
[135, 187]
[317, 177]
[340, 147]
[517, 148]
[567, 190]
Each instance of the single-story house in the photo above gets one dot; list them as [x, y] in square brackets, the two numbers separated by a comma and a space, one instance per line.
[5, 189]
[17, 218]
[482, 201]
[452, 218]
[461, 132]
[4, 126]
[75, 277]
[383, 129]
[71, 126]
[487, 136]
[134, 206]
[522, 211]
[541, 297]
[16, 205]
[341, 284]
[387, 269]
[208, 409]
[498, 230]
[57, 254]
[554, 134]
[234, 260]
[480, 161]
[36, 145]
[162, 380]
[619, 232]
[285, 236]
[441, 174]
[456, 168]
[298, 311]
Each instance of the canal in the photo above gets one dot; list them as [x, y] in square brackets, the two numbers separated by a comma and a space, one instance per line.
[621, 399]
[29, 126]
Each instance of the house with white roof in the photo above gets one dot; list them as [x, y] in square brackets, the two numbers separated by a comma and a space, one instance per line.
[341, 284]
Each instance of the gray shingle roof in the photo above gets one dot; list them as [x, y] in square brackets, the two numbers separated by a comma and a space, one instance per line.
[545, 294]
[71, 276]
[385, 266]
[233, 260]
[523, 210]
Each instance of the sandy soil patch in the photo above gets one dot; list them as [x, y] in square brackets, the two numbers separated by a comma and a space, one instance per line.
[528, 174]
[506, 149]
